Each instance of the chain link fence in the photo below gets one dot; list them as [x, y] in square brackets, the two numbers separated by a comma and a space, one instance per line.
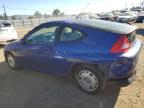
[30, 23]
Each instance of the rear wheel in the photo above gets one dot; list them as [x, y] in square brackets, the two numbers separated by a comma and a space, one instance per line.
[11, 61]
[89, 78]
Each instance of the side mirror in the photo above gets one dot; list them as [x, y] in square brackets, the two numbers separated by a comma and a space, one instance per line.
[24, 41]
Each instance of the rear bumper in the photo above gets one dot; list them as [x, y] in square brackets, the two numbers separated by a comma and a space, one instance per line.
[124, 66]
[126, 81]
[4, 39]
[7, 42]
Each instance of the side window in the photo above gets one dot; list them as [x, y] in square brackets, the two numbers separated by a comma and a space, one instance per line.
[43, 35]
[70, 34]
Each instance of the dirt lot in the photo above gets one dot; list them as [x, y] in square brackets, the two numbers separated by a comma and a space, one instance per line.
[29, 89]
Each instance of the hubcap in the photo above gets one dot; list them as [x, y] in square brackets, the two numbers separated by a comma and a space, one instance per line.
[11, 61]
[87, 80]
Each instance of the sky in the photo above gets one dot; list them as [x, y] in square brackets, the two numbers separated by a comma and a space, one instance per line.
[28, 7]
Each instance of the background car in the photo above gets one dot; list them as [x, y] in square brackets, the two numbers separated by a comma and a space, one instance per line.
[92, 52]
[107, 16]
[7, 32]
[87, 16]
[140, 17]
[127, 17]
[116, 14]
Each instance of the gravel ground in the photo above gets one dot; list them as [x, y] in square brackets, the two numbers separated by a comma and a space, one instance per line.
[30, 89]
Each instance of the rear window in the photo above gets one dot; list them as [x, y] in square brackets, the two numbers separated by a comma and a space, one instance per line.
[5, 24]
[131, 36]
[70, 34]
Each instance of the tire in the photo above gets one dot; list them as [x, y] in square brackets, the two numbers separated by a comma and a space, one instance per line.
[89, 78]
[11, 61]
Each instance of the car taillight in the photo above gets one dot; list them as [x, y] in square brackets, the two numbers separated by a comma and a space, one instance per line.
[121, 46]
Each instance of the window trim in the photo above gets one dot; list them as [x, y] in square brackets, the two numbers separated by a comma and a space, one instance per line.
[74, 28]
[48, 25]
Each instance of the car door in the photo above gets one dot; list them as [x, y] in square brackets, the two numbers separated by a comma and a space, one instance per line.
[38, 48]
[68, 47]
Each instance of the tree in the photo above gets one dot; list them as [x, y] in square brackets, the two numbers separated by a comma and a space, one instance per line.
[46, 16]
[62, 14]
[13, 17]
[56, 12]
[31, 17]
[5, 16]
[37, 14]
[1, 17]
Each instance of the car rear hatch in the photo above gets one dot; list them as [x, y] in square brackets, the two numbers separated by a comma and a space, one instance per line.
[124, 42]
[124, 66]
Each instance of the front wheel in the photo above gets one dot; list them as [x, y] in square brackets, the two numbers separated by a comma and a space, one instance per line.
[11, 61]
[90, 79]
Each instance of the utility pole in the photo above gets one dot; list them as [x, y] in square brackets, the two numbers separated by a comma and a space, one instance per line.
[126, 5]
[82, 10]
[142, 4]
[4, 8]
[5, 14]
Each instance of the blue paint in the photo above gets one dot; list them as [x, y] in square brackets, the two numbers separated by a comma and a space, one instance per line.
[59, 57]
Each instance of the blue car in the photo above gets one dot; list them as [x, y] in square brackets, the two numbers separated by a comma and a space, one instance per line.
[140, 18]
[92, 52]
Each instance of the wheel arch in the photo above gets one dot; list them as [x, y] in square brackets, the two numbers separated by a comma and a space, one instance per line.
[74, 66]
[5, 54]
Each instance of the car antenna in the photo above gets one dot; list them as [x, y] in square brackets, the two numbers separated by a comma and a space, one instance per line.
[77, 16]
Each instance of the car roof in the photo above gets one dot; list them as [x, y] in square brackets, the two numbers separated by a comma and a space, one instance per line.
[101, 24]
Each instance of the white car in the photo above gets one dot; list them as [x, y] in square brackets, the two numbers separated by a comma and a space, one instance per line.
[7, 32]
[127, 17]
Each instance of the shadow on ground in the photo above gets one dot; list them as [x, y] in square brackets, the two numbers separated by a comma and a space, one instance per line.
[140, 32]
[29, 89]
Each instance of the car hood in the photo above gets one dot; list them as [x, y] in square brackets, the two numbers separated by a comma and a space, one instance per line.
[126, 17]
[108, 26]
[11, 46]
